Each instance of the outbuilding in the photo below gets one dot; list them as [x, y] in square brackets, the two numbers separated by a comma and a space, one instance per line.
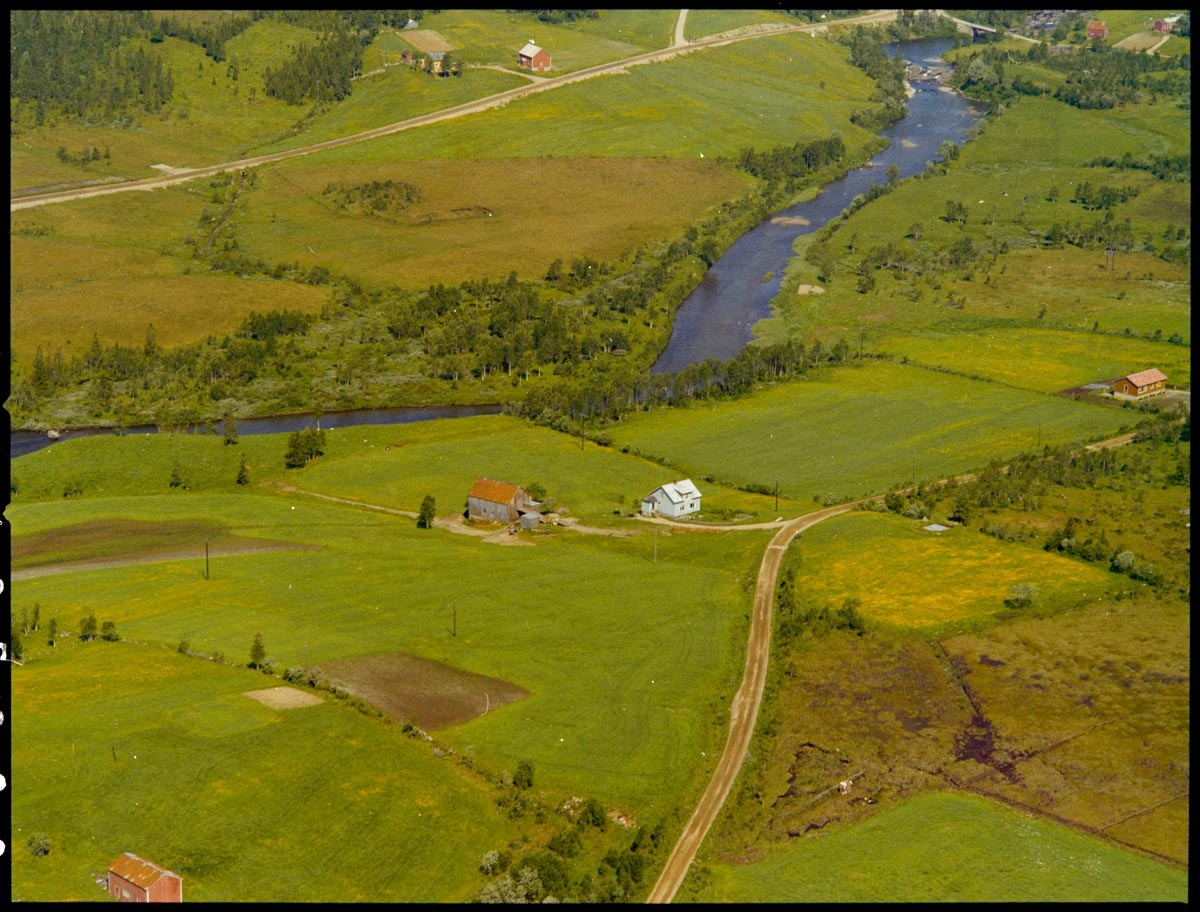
[673, 500]
[1139, 385]
[1097, 28]
[134, 879]
[532, 57]
[497, 501]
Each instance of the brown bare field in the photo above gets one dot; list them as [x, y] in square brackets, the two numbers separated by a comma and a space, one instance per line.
[284, 698]
[115, 542]
[429, 694]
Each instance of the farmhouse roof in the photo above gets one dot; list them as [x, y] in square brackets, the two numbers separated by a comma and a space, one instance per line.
[138, 871]
[530, 50]
[679, 491]
[494, 491]
[1146, 377]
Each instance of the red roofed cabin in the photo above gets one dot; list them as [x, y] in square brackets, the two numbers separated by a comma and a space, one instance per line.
[497, 501]
[133, 879]
[532, 57]
[1097, 28]
[1139, 385]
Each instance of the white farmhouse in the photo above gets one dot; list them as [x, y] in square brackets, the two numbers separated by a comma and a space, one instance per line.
[676, 499]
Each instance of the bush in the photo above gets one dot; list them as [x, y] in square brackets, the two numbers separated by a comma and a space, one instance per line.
[38, 845]
[108, 632]
[1022, 595]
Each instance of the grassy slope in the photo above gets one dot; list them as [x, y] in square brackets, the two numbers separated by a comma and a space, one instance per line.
[949, 848]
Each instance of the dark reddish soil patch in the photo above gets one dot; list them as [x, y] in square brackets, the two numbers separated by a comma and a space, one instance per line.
[426, 693]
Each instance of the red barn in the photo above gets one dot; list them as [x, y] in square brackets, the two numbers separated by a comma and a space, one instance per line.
[532, 57]
[133, 879]
[1097, 28]
[1143, 383]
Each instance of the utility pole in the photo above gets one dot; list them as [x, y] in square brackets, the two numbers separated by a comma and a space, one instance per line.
[114, 741]
[454, 620]
[206, 558]
[776, 495]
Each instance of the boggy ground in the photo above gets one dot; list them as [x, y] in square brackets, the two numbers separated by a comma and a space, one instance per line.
[1082, 718]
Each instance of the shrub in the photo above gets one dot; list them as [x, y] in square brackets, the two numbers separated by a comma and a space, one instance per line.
[38, 845]
[1022, 595]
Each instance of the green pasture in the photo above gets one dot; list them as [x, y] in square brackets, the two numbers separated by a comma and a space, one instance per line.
[129, 748]
[922, 579]
[493, 37]
[703, 22]
[858, 431]
[1043, 360]
[943, 848]
[611, 614]
[717, 101]
[391, 466]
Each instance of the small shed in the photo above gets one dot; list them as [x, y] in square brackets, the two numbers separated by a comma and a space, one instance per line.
[1139, 385]
[133, 879]
[675, 499]
[1097, 28]
[497, 501]
[532, 57]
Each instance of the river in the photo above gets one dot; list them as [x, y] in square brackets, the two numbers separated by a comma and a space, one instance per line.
[715, 321]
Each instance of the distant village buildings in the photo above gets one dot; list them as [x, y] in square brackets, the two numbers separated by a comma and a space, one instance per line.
[673, 500]
[532, 57]
[134, 879]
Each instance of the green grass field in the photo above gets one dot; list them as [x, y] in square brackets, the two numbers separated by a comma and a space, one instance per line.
[128, 748]
[858, 431]
[944, 848]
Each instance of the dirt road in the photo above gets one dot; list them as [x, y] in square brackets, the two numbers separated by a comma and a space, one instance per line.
[678, 46]
[743, 712]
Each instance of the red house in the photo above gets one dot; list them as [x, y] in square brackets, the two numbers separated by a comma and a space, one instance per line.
[133, 879]
[532, 57]
[1143, 383]
[1097, 28]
